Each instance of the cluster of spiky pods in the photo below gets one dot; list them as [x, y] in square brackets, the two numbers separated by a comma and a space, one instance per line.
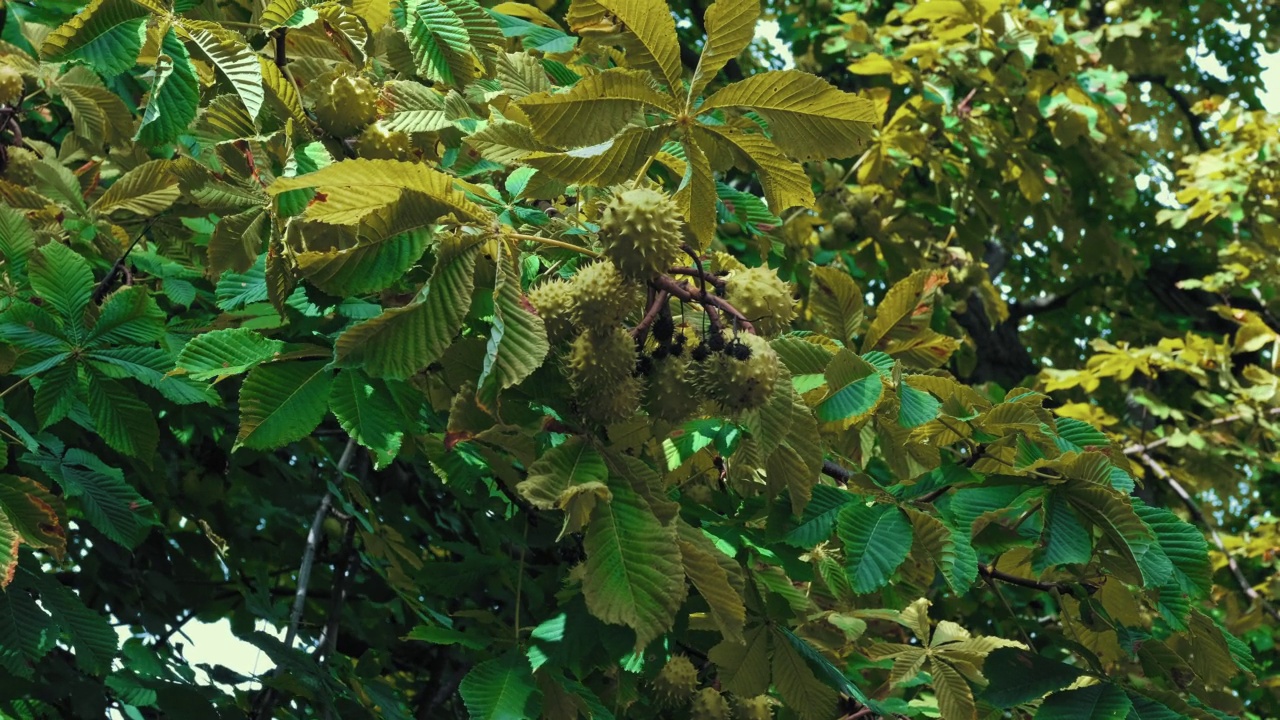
[635, 336]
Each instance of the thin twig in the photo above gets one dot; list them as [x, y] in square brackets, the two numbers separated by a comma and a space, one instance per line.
[1158, 442]
[342, 572]
[267, 702]
[103, 287]
[710, 277]
[1199, 516]
[992, 573]
[707, 300]
[553, 243]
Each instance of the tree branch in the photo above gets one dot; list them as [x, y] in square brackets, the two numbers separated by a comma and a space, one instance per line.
[660, 298]
[708, 300]
[267, 700]
[104, 287]
[992, 573]
[1225, 420]
[1198, 515]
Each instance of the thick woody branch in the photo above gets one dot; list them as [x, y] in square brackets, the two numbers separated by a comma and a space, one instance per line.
[1199, 516]
[1159, 442]
[992, 573]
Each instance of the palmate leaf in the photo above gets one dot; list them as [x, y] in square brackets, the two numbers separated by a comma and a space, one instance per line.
[122, 419]
[808, 117]
[226, 352]
[877, 539]
[56, 393]
[744, 668]
[1019, 676]
[27, 633]
[703, 566]
[594, 109]
[696, 197]
[415, 108]
[607, 163]
[518, 339]
[820, 515]
[110, 504]
[106, 34]
[904, 312]
[282, 402]
[352, 189]
[151, 367]
[129, 316]
[173, 97]
[439, 41]
[365, 409]
[955, 697]
[282, 91]
[91, 635]
[1065, 539]
[730, 26]
[784, 181]
[634, 576]
[645, 29]
[856, 389]
[38, 515]
[232, 57]
[17, 241]
[238, 240]
[499, 689]
[402, 341]
[63, 280]
[1113, 514]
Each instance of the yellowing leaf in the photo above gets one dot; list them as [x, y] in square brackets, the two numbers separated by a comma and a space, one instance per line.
[146, 190]
[808, 118]
[594, 109]
[608, 163]
[785, 183]
[645, 28]
[696, 196]
[702, 563]
[730, 26]
[352, 189]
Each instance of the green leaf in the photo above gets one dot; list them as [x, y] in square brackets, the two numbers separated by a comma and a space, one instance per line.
[351, 190]
[27, 633]
[705, 567]
[856, 390]
[151, 366]
[56, 393]
[1103, 701]
[63, 279]
[1185, 547]
[402, 341]
[17, 241]
[820, 515]
[282, 402]
[226, 352]
[365, 409]
[129, 316]
[594, 109]
[877, 539]
[106, 34]
[173, 97]
[730, 26]
[238, 241]
[799, 687]
[1065, 539]
[366, 268]
[822, 667]
[916, 407]
[634, 576]
[518, 340]
[744, 668]
[415, 108]
[235, 60]
[91, 635]
[1113, 514]
[810, 119]
[110, 504]
[500, 689]
[122, 419]
[1019, 676]
[837, 301]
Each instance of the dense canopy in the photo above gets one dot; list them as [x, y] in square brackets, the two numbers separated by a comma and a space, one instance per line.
[618, 359]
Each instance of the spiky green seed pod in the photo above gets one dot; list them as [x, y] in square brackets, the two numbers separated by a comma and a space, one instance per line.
[600, 359]
[738, 384]
[11, 85]
[614, 403]
[21, 167]
[763, 297]
[669, 394]
[709, 704]
[376, 143]
[345, 104]
[602, 297]
[552, 301]
[641, 232]
[759, 707]
[676, 682]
